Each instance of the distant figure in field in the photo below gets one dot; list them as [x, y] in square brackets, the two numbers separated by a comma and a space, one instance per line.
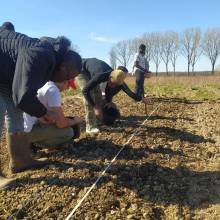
[141, 70]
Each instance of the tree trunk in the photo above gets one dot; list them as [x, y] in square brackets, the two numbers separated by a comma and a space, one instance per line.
[193, 69]
[213, 68]
[188, 68]
[156, 70]
[167, 68]
[174, 69]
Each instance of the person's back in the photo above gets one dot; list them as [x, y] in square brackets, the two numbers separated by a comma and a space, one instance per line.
[11, 43]
[94, 67]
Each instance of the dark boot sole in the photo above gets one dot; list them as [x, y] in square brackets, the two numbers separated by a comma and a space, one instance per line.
[36, 165]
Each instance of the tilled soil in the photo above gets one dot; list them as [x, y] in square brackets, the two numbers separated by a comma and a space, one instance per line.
[169, 170]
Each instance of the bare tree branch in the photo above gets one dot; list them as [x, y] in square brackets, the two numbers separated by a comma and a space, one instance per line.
[156, 49]
[191, 39]
[112, 58]
[168, 44]
[175, 52]
[211, 45]
[123, 52]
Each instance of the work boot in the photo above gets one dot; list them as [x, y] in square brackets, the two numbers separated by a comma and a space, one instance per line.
[20, 153]
[4, 182]
[92, 130]
[76, 129]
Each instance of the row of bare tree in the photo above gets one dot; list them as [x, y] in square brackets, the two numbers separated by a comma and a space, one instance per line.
[168, 46]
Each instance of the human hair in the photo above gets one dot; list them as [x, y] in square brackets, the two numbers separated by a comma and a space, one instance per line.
[60, 44]
[8, 26]
[110, 115]
[123, 68]
[73, 61]
[142, 46]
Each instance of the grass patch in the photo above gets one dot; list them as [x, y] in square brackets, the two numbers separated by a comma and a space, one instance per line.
[195, 88]
[200, 92]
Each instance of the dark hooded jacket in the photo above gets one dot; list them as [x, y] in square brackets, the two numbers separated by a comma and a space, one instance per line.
[26, 64]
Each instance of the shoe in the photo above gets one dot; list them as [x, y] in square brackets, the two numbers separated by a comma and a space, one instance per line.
[76, 131]
[92, 131]
[20, 154]
[5, 182]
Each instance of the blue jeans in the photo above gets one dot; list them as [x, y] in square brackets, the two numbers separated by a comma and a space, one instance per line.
[9, 113]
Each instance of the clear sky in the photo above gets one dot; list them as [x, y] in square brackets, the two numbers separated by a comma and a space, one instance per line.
[95, 25]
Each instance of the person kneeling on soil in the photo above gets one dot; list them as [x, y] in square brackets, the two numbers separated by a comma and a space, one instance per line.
[95, 73]
[52, 135]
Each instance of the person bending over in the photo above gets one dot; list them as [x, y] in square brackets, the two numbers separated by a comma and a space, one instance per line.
[95, 73]
[26, 64]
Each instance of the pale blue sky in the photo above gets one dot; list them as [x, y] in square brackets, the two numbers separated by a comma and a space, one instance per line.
[94, 25]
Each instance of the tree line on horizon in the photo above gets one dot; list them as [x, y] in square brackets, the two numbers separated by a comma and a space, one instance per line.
[168, 46]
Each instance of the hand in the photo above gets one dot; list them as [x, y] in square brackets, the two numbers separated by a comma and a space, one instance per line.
[98, 111]
[43, 121]
[146, 101]
[109, 104]
[147, 74]
[50, 117]
[77, 120]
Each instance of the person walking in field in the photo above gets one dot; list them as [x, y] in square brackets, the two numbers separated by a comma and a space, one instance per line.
[26, 64]
[94, 73]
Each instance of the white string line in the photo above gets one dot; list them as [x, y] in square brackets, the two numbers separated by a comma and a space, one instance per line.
[31, 199]
[39, 192]
[107, 167]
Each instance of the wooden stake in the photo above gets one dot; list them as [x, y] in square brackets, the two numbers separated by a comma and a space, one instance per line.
[145, 105]
[145, 108]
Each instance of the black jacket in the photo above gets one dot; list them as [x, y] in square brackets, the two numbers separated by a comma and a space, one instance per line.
[26, 64]
[98, 72]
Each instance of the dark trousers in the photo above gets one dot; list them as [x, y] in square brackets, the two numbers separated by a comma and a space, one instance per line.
[139, 87]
